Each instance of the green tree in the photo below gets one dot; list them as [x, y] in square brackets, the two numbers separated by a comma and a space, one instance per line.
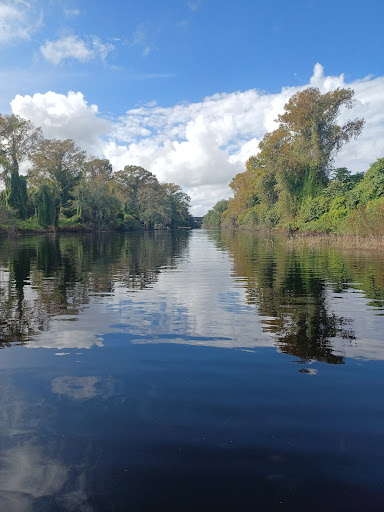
[129, 184]
[370, 187]
[149, 202]
[18, 138]
[245, 186]
[177, 202]
[47, 204]
[58, 165]
[94, 199]
[213, 217]
[300, 153]
[7, 214]
[295, 160]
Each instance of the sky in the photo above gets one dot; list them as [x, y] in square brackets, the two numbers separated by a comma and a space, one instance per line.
[188, 88]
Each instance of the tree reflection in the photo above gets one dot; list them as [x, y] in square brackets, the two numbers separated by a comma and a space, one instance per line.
[291, 289]
[46, 276]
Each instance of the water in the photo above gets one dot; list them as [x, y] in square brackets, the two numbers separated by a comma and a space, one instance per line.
[189, 371]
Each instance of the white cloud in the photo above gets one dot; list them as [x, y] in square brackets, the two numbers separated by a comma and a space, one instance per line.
[72, 12]
[72, 47]
[101, 49]
[63, 116]
[202, 146]
[140, 39]
[18, 20]
[194, 5]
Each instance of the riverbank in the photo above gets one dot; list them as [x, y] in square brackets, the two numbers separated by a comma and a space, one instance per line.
[81, 229]
[369, 242]
[317, 239]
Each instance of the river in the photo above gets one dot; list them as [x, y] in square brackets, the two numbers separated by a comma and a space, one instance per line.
[189, 371]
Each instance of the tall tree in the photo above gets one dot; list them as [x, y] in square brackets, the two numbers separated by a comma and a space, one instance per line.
[59, 165]
[295, 160]
[178, 204]
[129, 184]
[94, 199]
[18, 138]
[300, 153]
[213, 216]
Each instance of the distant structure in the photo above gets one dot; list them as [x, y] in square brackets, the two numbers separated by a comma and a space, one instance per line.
[198, 221]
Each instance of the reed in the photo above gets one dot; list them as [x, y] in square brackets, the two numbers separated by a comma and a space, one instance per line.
[368, 242]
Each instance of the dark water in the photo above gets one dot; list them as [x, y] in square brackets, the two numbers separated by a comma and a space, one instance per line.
[189, 372]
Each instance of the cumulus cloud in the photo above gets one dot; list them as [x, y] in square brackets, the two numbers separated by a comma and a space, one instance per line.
[202, 146]
[72, 47]
[18, 20]
[63, 116]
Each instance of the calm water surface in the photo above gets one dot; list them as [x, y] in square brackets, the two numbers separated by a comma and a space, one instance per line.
[189, 371]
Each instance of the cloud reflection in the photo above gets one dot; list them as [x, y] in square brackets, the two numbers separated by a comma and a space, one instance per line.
[81, 388]
[218, 290]
[27, 475]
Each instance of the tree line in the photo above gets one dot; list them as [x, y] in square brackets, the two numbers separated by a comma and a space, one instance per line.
[292, 183]
[64, 187]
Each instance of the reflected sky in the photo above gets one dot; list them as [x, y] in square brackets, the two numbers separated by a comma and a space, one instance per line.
[193, 288]
[118, 390]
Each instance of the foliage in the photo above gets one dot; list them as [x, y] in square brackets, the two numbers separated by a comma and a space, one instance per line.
[178, 205]
[350, 204]
[129, 184]
[370, 187]
[291, 183]
[94, 200]
[18, 137]
[16, 193]
[31, 224]
[64, 187]
[153, 204]
[8, 216]
[213, 217]
[58, 165]
[69, 222]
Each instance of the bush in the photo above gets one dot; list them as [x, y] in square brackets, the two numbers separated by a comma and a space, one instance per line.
[366, 220]
[69, 222]
[30, 224]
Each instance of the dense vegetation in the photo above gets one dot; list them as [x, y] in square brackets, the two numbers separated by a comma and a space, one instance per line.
[66, 188]
[291, 183]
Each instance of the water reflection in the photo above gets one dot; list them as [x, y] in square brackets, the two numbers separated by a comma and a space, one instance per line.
[292, 291]
[47, 276]
[224, 289]
[82, 388]
[33, 458]
[155, 414]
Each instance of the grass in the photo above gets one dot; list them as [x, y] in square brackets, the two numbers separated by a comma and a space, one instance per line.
[368, 242]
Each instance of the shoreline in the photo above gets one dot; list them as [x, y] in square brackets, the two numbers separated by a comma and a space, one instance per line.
[78, 229]
[368, 242]
[315, 239]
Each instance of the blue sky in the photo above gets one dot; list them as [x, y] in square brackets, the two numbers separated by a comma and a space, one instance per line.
[186, 88]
